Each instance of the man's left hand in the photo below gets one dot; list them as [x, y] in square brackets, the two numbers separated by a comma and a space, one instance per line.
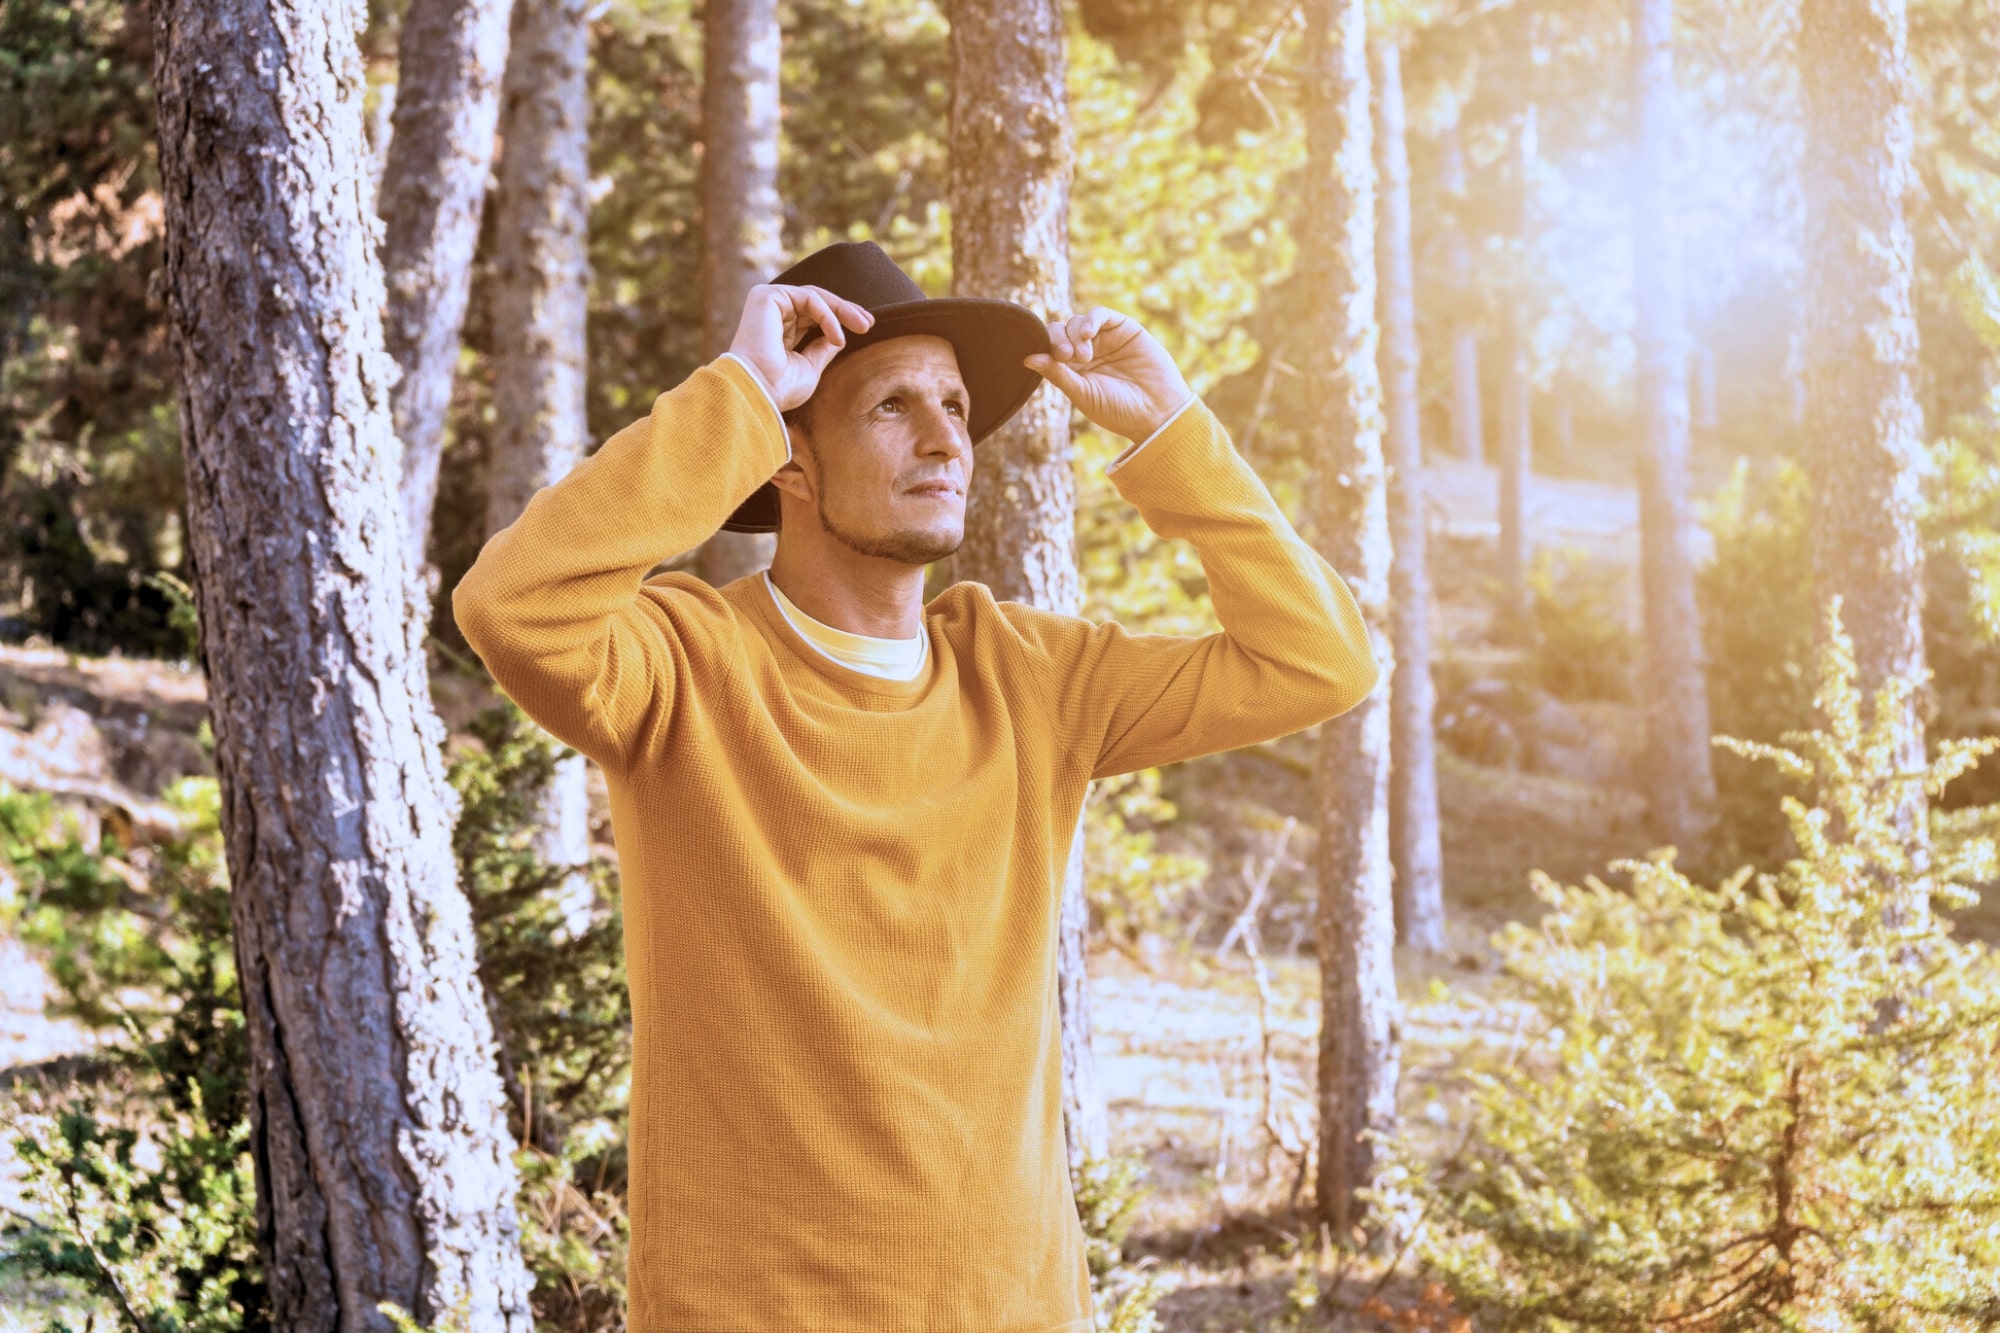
[1116, 373]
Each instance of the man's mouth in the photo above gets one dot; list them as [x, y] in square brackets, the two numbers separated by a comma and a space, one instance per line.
[934, 488]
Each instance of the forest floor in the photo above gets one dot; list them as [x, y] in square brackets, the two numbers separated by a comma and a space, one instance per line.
[1176, 1027]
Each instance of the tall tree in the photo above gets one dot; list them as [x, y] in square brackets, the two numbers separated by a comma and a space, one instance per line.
[742, 218]
[377, 1121]
[450, 55]
[1415, 850]
[540, 296]
[1466, 426]
[1358, 1055]
[1680, 782]
[1516, 451]
[1863, 421]
[1012, 157]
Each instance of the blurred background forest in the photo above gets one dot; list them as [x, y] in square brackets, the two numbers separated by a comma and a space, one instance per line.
[1630, 1089]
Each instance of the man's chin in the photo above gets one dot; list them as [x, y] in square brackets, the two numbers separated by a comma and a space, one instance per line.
[910, 546]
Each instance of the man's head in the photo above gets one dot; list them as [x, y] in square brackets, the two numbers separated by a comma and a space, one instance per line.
[884, 421]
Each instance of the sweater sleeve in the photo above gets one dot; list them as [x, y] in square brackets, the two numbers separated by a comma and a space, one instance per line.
[558, 606]
[1293, 650]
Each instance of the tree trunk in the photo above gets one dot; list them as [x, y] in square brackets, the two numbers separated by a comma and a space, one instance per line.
[1012, 157]
[1706, 415]
[376, 1116]
[1517, 422]
[450, 56]
[1466, 427]
[1680, 783]
[1413, 801]
[1516, 462]
[1358, 1049]
[541, 293]
[1565, 424]
[1863, 422]
[742, 217]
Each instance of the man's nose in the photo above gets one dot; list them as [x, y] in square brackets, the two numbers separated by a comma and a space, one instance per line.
[944, 432]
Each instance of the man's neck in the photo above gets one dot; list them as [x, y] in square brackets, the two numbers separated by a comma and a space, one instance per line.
[862, 594]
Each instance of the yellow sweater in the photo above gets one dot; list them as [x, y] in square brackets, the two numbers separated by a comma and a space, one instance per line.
[840, 892]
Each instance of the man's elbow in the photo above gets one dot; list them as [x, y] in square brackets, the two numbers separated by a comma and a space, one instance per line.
[1354, 680]
[472, 608]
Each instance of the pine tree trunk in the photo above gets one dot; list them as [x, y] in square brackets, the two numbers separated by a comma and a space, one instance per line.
[1680, 783]
[1466, 428]
[382, 1158]
[541, 294]
[450, 57]
[1517, 422]
[742, 216]
[1413, 802]
[1515, 460]
[1358, 1049]
[1012, 156]
[1863, 422]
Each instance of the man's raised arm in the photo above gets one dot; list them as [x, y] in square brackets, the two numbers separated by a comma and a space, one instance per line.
[557, 605]
[1294, 648]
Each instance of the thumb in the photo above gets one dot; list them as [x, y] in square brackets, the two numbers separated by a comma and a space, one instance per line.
[1055, 372]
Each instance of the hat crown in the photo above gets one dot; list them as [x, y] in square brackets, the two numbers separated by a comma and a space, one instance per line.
[857, 271]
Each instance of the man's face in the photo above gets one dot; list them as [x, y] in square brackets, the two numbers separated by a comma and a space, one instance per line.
[888, 455]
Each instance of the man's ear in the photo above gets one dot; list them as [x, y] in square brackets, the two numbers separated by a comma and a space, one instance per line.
[792, 480]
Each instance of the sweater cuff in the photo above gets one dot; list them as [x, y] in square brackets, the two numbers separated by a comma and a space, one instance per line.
[1119, 461]
[1130, 450]
[757, 379]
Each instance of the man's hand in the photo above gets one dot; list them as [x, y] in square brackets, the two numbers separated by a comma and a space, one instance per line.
[1115, 372]
[775, 318]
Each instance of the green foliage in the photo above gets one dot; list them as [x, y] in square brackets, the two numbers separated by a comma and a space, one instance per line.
[143, 1175]
[557, 995]
[90, 481]
[1108, 1193]
[1578, 644]
[1770, 1104]
[1135, 889]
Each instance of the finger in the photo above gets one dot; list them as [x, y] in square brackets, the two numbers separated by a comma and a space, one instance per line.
[857, 317]
[820, 352]
[1082, 333]
[1055, 372]
[818, 305]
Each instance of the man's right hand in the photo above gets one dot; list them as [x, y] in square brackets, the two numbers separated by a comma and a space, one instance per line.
[776, 317]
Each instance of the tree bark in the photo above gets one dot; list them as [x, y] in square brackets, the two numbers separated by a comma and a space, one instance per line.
[1358, 1049]
[1517, 426]
[449, 61]
[1012, 158]
[1415, 850]
[1863, 421]
[742, 216]
[541, 296]
[1466, 427]
[1680, 782]
[376, 1116]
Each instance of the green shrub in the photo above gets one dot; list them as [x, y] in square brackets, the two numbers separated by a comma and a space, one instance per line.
[142, 1173]
[1753, 1106]
[1135, 889]
[1579, 646]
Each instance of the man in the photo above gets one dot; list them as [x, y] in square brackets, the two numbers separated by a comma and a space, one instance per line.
[843, 813]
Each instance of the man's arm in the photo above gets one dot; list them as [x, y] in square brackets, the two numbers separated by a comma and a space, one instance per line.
[557, 604]
[1293, 649]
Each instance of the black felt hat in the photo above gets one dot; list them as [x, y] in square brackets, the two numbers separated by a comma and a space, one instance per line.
[990, 336]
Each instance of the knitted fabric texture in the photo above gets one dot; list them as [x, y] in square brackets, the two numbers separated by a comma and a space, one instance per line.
[840, 892]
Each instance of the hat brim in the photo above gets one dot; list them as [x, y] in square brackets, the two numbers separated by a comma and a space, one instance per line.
[991, 338]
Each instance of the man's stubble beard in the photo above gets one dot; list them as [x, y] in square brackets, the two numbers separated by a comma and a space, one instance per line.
[910, 546]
